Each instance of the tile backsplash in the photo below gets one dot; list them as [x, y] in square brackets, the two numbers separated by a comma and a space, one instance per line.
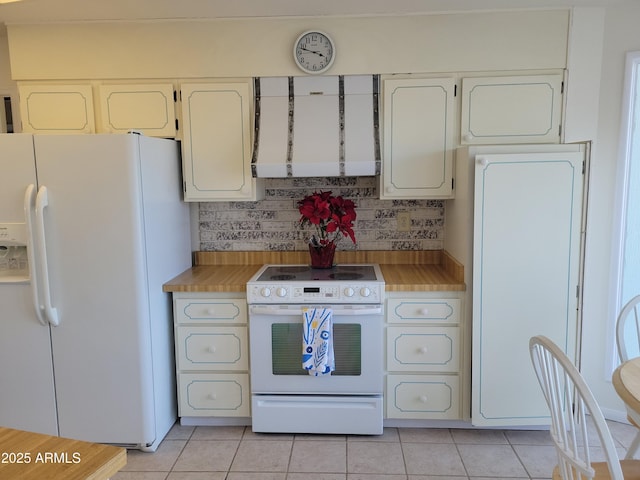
[272, 223]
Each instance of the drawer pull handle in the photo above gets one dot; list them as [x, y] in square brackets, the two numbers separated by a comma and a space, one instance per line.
[212, 396]
[423, 350]
[210, 311]
[424, 311]
[423, 398]
[211, 349]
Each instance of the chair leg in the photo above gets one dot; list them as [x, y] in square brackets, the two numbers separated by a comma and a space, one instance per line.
[633, 447]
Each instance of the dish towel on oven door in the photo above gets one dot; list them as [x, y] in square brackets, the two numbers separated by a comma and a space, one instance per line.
[317, 341]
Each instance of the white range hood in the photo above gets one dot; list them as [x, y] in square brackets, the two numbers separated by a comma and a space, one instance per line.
[316, 126]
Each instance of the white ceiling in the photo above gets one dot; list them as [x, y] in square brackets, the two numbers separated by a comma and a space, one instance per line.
[36, 11]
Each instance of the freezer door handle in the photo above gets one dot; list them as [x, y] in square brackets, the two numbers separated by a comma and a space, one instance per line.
[42, 202]
[29, 196]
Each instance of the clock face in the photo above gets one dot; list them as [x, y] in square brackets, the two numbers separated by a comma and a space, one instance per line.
[314, 52]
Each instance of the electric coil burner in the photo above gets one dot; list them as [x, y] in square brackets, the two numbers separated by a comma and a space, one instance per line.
[284, 397]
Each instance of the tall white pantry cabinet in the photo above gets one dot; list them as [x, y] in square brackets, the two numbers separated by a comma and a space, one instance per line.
[527, 231]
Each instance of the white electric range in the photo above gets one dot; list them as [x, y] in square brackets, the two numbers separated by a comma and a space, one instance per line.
[285, 397]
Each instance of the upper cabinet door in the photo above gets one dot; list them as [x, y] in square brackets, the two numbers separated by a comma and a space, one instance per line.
[57, 108]
[418, 138]
[148, 109]
[217, 142]
[505, 110]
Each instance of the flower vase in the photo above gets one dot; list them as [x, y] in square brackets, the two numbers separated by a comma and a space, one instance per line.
[322, 256]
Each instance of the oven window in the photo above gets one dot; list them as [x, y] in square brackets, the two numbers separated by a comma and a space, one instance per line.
[286, 345]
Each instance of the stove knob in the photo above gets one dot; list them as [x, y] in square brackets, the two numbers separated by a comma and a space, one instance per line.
[349, 292]
[281, 292]
[265, 292]
[365, 292]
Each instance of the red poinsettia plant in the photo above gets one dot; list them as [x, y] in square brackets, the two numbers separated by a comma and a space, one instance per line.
[331, 217]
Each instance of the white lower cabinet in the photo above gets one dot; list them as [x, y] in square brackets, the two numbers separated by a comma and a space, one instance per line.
[424, 356]
[423, 397]
[423, 348]
[214, 395]
[212, 362]
[206, 348]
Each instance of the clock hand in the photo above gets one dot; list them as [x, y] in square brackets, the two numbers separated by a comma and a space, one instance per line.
[312, 51]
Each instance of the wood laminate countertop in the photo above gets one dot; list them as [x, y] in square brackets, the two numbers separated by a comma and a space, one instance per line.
[416, 271]
[34, 456]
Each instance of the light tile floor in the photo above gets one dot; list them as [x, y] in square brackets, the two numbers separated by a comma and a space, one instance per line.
[236, 453]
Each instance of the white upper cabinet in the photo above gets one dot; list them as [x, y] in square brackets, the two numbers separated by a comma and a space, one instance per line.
[417, 138]
[57, 108]
[506, 110]
[216, 146]
[147, 108]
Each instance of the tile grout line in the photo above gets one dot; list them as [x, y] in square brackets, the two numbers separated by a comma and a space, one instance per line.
[464, 465]
[173, 465]
[235, 454]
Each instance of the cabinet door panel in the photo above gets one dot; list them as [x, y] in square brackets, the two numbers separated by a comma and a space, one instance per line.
[423, 311]
[221, 395]
[503, 110]
[210, 311]
[57, 109]
[212, 348]
[435, 349]
[525, 275]
[418, 138]
[423, 396]
[145, 108]
[217, 142]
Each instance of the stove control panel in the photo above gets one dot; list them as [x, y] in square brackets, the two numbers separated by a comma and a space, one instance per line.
[325, 293]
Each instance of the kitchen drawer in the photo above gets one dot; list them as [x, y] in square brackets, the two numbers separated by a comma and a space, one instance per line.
[221, 395]
[423, 311]
[212, 348]
[423, 396]
[189, 310]
[434, 349]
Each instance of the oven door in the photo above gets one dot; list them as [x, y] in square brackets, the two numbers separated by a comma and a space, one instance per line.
[275, 333]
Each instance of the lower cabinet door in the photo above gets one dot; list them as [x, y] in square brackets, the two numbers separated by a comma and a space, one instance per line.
[212, 348]
[220, 395]
[435, 349]
[423, 396]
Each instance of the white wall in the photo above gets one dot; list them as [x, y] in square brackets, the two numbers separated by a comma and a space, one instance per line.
[5, 72]
[621, 34]
[584, 64]
[264, 47]
[7, 85]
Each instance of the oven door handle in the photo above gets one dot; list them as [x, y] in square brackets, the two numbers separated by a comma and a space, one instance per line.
[273, 310]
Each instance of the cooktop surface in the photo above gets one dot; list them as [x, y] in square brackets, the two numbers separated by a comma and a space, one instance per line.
[304, 273]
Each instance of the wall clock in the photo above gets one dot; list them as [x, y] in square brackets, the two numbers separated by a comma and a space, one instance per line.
[314, 52]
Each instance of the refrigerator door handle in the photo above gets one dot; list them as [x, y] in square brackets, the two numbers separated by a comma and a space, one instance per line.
[29, 196]
[42, 202]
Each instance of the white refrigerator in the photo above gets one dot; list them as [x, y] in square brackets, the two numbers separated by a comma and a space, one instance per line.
[86, 343]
